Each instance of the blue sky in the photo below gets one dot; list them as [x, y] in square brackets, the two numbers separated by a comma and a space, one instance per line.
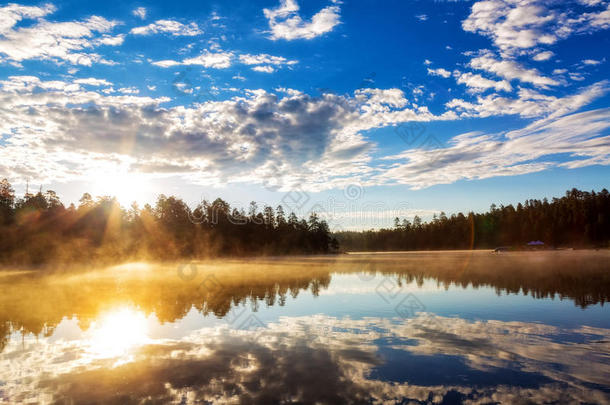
[363, 110]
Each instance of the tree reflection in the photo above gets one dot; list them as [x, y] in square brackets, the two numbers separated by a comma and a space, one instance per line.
[34, 303]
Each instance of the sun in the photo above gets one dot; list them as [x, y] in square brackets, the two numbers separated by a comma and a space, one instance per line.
[126, 187]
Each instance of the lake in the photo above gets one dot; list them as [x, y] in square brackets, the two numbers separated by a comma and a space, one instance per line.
[417, 327]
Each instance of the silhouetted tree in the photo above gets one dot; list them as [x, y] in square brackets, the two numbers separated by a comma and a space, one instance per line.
[7, 201]
[37, 229]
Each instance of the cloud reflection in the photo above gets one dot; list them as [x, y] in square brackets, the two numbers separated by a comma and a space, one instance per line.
[321, 359]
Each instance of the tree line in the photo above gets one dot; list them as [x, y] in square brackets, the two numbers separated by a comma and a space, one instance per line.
[38, 229]
[578, 219]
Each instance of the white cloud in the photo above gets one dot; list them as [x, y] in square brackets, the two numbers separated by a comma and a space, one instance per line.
[258, 137]
[578, 137]
[595, 20]
[542, 56]
[264, 69]
[439, 72]
[528, 103]
[115, 40]
[477, 83]
[93, 82]
[219, 59]
[241, 139]
[128, 90]
[422, 17]
[166, 63]
[427, 62]
[11, 14]
[216, 60]
[56, 41]
[172, 27]
[515, 25]
[263, 58]
[140, 12]
[285, 22]
[511, 70]
[591, 62]
[265, 63]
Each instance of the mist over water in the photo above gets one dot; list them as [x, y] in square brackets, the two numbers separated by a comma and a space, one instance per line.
[421, 327]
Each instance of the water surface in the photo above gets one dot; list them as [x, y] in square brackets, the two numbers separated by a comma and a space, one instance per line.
[422, 327]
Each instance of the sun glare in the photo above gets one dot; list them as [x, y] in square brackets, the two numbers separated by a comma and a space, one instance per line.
[117, 333]
[126, 187]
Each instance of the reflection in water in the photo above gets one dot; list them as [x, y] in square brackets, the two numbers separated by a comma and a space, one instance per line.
[117, 333]
[144, 335]
[31, 303]
[320, 359]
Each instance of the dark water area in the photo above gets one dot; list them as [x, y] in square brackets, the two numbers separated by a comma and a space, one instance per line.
[420, 327]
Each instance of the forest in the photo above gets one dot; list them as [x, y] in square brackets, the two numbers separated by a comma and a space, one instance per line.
[579, 219]
[38, 229]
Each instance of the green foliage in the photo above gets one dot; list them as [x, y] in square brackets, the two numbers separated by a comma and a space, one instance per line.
[579, 219]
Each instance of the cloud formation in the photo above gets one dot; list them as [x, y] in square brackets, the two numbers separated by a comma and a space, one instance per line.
[511, 70]
[93, 82]
[439, 72]
[528, 103]
[285, 22]
[140, 12]
[264, 62]
[219, 59]
[210, 59]
[172, 27]
[477, 83]
[516, 25]
[313, 141]
[55, 41]
[578, 139]
[297, 140]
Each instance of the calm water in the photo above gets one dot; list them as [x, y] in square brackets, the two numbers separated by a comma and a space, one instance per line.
[444, 327]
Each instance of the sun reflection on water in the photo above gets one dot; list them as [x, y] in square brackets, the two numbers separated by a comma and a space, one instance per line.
[117, 333]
